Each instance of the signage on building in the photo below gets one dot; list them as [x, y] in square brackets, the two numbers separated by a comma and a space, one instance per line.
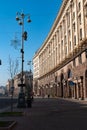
[71, 83]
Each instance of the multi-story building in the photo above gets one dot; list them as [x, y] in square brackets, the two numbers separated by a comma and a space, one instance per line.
[36, 74]
[27, 80]
[63, 56]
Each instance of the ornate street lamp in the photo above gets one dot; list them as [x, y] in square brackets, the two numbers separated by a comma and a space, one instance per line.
[20, 18]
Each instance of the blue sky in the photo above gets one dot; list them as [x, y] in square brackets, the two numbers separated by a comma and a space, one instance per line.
[42, 14]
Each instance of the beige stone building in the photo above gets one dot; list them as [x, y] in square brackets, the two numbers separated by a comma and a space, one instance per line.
[27, 80]
[62, 59]
[36, 74]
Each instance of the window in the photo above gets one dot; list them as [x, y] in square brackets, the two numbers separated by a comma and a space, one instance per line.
[86, 73]
[73, 4]
[64, 26]
[69, 33]
[86, 54]
[55, 78]
[59, 52]
[81, 34]
[61, 29]
[68, 19]
[80, 58]
[69, 73]
[65, 39]
[58, 35]
[62, 47]
[70, 46]
[73, 15]
[86, 10]
[74, 63]
[75, 40]
[66, 50]
[80, 19]
[79, 6]
[49, 49]
[74, 27]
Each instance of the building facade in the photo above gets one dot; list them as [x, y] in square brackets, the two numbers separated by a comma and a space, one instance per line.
[36, 74]
[27, 80]
[62, 59]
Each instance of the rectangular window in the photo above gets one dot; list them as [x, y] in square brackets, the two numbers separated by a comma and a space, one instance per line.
[74, 63]
[68, 19]
[86, 10]
[62, 47]
[79, 6]
[69, 33]
[74, 27]
[58, 35]
[80, 58]
[70, 45]
[73, 15]
[75, 40]
[64, 27]
[80, 33]
[66, 50]
[79, 19]
[65, 39]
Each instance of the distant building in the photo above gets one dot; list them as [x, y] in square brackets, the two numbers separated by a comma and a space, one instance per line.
[2, 90]
[27, 77]
[60, 65]
[8, 86]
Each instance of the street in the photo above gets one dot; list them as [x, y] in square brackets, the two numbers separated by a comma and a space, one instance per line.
[54, 114]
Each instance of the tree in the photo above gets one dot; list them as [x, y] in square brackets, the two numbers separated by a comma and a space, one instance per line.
[13, 70]
[13, 67]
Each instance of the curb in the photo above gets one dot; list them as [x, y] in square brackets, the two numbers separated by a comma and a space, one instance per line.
[9, 127]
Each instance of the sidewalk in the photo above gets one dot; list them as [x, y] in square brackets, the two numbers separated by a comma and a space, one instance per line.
[26, 121]
[39, 117]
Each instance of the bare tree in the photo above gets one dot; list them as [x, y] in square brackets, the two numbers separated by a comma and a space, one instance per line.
[13, 67]
[13, 70]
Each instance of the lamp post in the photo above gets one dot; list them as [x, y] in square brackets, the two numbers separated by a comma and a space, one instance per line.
[20, 17]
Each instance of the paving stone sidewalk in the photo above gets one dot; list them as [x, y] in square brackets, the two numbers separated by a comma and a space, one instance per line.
[44, 116]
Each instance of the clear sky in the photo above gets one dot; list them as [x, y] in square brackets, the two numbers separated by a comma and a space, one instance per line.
[42, 14]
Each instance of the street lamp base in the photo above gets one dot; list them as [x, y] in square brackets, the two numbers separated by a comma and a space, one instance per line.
[21, 100]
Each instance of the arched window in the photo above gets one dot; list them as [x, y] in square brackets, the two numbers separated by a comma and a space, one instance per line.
[62, 77]
[86, 74]
[86, 54]
[69, 73]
